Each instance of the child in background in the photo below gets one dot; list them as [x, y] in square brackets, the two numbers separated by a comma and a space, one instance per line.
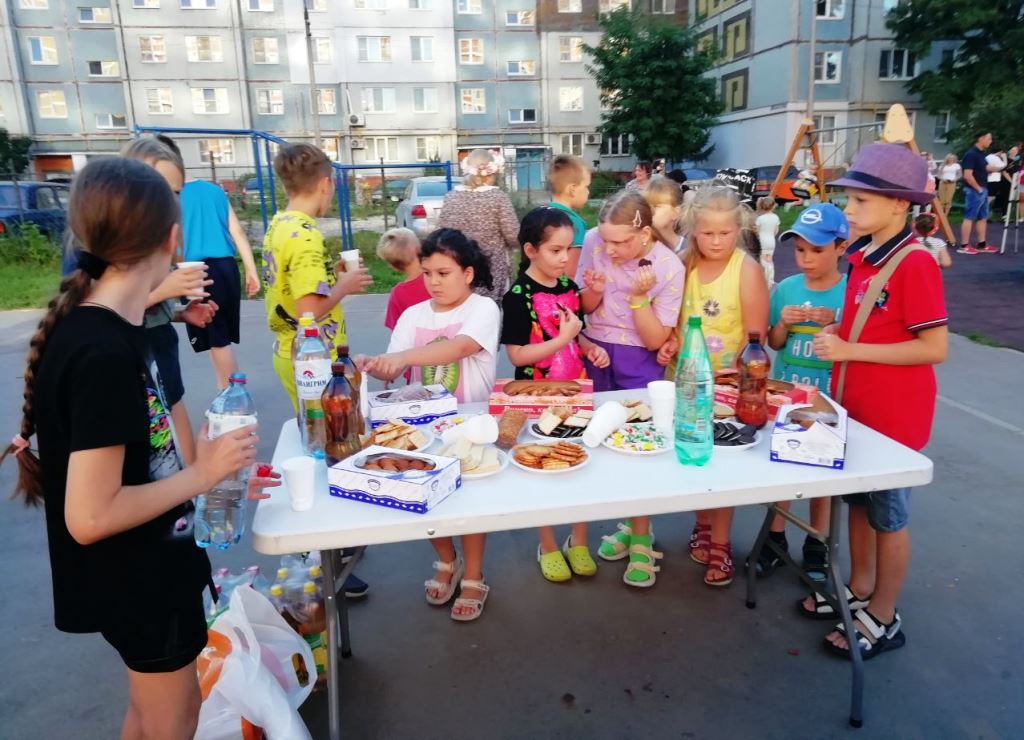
[666, 200]
[801, 306]
[726, 288]
[633, 292]
[925, 227]
[569, 183]
[452, 339]
[542, 320]
[298, 271]
[889, 379]
[767, 225]
[401, 249]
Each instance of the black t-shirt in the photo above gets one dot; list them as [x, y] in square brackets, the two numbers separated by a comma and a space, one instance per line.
[530, 316]
[974, 160]
[95, 388]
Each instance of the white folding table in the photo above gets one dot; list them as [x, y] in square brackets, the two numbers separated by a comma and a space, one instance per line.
[611, 486]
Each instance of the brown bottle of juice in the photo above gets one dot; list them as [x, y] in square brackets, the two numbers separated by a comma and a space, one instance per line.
[342, 414]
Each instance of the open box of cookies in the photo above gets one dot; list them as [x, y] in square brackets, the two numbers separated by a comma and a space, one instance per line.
[534, 397]
[411, 481]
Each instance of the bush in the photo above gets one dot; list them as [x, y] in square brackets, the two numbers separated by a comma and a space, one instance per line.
[26, 245]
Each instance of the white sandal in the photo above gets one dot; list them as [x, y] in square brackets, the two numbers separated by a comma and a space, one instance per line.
[477, 605]
[647, 566]
[447, 590]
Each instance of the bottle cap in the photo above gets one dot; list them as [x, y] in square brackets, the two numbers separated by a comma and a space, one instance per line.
[315, 414]
[314, 571]
[342, 350]
[282, 574]
[311, 331]
[309, 587]
[693, 321]
[276, 590]
[237, 378]
[754, 336]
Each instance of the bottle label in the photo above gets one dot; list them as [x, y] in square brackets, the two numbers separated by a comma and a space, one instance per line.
[223, 423]
[311, 377]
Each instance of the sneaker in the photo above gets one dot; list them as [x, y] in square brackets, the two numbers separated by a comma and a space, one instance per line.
[347, 554]
[989, 249]
[967, 249]
[355, 587]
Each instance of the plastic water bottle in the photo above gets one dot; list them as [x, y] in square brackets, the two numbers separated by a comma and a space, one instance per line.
[305, 321]
[694, 431]
[312, 373]
[220, 513]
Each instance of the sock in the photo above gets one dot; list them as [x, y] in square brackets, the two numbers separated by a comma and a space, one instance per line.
[982, 244]
[779, 537]
[639, 576]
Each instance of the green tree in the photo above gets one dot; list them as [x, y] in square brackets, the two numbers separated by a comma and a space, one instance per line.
[652, 79]
[981, 83]
[13, 153]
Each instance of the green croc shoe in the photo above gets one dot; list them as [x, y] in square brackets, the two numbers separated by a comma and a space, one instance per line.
[579, 558]
[553, 566]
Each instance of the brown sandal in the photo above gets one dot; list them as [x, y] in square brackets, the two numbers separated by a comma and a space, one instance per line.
[720, 561]
[700, 539]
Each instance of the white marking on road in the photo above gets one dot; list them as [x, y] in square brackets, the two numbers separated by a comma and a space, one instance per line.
[981, 415]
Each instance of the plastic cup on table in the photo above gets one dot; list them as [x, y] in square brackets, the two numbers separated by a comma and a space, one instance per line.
[608, 417]
[663, 404]
[299, 475]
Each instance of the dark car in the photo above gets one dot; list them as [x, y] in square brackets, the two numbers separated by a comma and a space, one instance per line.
[43, 204]
[395, 190]
[764, 178]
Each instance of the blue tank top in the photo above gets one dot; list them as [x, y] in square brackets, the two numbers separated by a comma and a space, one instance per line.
[204, 215]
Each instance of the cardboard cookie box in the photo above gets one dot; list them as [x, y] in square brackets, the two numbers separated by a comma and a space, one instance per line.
[804, 435]
[413, 404]
[536, 396]
[410, 481]
[780, 393]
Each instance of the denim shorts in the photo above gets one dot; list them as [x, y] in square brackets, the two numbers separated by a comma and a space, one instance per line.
[888, 511]
[975, 204]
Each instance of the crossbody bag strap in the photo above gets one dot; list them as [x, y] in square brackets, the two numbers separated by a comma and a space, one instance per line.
[867, 303]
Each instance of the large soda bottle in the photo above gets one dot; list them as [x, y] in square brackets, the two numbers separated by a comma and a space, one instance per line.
[342, 414]
[220, 513]
[355, 378]
[312, 372]
[752, 406]
[694, 432]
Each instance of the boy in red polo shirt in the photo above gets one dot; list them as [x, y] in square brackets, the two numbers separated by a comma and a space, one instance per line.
[890, 382]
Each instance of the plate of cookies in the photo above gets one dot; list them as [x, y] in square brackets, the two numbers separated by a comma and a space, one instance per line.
[549, 457]
[400, 436]
[560, 422]
[476, 461]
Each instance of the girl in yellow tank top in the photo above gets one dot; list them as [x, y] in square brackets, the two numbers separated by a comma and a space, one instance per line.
[720, 309]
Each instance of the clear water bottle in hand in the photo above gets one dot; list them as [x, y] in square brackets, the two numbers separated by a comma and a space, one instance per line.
[220, 513]
[694, 431]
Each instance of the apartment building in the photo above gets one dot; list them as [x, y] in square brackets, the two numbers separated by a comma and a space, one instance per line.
[857, 74]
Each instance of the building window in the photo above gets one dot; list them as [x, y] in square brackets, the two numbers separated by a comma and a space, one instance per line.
[270, 102]
[424, 100]
[830, 9]
[371, 4]
[379, 100]
[318, 6]
[34, 5]
[572, 144]
[607, 98]
[382, 147]
[105, 69]
[948, 57]
[616, 145]
[422, 48]
[220, 151]
[521, 68]
[663, 7]
[428, 148]
[327, 101]
[323, 50]
[827, 67]
[374, 48]
[204, 49]
[264, 51]
[152, 49]
[209, 100]
[198, 4]
[330, 147]
[473, 100]
[734, 91]
[468, 7]
[736, 37]
[607, 6]
[943, 123]
[159, 101]
[570, 48]
[145, 4]
[570, 98]
[261, 6]
[94, 15]
[570, 6]
[896, 64]
[52, 104]
[419, 4]
[825, 122]
[471, 51]
[42, 49]
[106, 121]
[522, 115]
[519, 18]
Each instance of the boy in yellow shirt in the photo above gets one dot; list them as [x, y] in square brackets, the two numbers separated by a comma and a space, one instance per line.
[297, 270]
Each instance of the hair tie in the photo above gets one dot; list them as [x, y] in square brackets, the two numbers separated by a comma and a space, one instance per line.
[19, 443]
[637, 220]
[91, 265]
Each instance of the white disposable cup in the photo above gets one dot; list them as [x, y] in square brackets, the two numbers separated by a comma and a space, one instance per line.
[300, 479]
[663, 404]
[194, 266]
[608, 417]
[351, 259]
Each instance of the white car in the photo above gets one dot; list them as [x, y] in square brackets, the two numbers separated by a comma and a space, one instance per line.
[421, 204]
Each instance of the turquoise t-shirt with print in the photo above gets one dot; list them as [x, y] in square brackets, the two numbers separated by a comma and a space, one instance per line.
[797, 362]
[579, 226]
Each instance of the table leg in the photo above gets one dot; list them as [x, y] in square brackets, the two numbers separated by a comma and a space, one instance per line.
[857, 664]
[331, 611]
[752, 558]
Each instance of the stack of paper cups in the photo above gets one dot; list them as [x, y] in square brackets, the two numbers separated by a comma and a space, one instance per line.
[608, 417]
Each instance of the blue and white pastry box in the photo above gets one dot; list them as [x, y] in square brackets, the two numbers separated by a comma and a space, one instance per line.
[807, 437]
[413, 404]
[408, 481]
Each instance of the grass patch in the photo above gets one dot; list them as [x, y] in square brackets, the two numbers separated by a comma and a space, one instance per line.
[27, 285]
[384, 278]
[983, 339]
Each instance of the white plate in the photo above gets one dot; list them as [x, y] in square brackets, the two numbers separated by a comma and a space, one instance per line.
[639, 453]
[586, 461]
[739, 448]
[530, 424]
[503, 458]
[426, 445]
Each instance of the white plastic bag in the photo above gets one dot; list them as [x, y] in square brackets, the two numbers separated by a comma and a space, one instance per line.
[258, 679]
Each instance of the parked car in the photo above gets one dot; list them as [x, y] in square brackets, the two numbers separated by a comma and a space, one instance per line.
[251, 191]
[421, 204]
[697, 176]
[41, 203]
[395, 190]
[764, 177]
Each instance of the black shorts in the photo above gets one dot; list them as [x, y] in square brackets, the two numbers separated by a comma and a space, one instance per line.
[226, 292]
[163, 342]
[161, 642]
